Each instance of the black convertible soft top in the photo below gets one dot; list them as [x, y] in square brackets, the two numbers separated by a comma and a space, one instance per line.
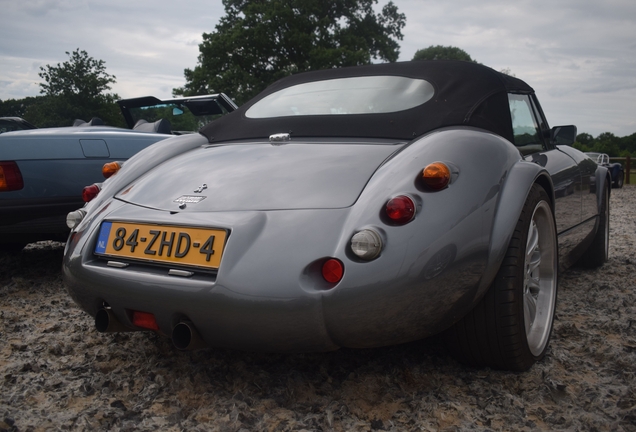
[466, 93]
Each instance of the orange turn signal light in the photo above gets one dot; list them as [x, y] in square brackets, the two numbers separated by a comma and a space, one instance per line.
[110, 168]
[436, 176]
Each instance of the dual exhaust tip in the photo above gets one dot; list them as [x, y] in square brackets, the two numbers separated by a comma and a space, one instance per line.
[185, 336]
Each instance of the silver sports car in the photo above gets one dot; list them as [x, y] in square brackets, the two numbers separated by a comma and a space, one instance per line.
[355, 207]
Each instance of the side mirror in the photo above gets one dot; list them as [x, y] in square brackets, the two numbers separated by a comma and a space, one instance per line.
[563, 135]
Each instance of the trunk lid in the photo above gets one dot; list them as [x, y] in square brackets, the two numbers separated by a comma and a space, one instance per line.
[238, 177]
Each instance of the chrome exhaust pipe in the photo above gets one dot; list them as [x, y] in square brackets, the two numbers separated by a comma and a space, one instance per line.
[106, 322]
[185, 337]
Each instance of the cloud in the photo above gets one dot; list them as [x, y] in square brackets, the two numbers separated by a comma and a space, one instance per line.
[577, 54]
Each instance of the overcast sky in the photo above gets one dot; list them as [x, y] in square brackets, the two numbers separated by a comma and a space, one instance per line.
[578, 55]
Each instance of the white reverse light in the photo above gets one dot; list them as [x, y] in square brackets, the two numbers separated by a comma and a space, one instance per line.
[366, 244]
[74, 218]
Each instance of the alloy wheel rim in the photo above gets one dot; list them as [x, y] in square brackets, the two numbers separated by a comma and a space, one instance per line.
[540, 281]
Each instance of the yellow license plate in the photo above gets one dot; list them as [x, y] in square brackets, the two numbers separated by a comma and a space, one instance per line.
[200, 247]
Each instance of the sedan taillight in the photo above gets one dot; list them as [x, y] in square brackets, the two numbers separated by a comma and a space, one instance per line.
[10, 176]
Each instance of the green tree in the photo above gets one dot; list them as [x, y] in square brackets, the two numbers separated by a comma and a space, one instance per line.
[440, 52]
[259, 42]
[584, 142]
[75, 89]
[18, 107]
[585, 139]
[607, 142]
[628, 145]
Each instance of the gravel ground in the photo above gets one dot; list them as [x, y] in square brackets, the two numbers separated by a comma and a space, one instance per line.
[58, 373]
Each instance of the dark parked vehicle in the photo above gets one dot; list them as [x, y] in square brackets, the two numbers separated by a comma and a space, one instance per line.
[10, 124]
[355, 207]
[43, 171]
[616, 169]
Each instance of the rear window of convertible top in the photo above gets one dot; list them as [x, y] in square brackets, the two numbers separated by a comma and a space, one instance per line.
[342, 96]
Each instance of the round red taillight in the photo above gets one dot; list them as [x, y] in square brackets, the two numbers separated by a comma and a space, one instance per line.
[332, 270]
[400, 209]
[90, 192]
[436, 176]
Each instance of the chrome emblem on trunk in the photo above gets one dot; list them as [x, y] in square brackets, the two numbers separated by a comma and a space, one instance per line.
[200, 188]
[190, 199]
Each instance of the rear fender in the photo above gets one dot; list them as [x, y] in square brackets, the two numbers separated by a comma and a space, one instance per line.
[143, 162]
[603, 179]
[512, 198]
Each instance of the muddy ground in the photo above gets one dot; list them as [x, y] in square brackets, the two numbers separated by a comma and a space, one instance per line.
[58, 373]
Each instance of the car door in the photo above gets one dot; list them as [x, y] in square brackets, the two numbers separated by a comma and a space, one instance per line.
[531, 132]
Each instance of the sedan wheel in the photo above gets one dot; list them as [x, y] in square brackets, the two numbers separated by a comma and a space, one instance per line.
[510, 328]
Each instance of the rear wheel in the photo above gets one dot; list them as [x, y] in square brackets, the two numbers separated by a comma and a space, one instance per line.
[510, 328]
[598, 252]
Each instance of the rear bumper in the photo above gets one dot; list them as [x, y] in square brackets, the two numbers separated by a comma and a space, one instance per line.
[28, 220]
[223, 317]
[269, 295]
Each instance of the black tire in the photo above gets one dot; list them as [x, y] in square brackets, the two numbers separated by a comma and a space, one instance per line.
[598, 252]
[505, 331]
